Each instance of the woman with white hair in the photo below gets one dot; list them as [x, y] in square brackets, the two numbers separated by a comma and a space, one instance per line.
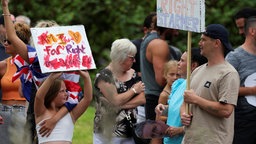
[118, 91]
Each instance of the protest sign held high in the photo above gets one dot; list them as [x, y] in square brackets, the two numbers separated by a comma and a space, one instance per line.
[63, 48]
[188, 15]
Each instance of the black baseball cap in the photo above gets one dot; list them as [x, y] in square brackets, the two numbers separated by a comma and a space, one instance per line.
[218, 31]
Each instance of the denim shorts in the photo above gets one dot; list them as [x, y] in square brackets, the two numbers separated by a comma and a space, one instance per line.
[6, 108]
[14, 118]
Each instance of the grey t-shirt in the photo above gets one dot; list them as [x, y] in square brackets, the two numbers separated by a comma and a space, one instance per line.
[244, 63]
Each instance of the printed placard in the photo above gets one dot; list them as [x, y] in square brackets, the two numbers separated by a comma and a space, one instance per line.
[63, 48]
[188, 15]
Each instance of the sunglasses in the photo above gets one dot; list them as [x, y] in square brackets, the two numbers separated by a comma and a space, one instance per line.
[8, 42]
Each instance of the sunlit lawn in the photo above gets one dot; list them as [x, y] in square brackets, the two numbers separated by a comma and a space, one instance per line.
[84, 128]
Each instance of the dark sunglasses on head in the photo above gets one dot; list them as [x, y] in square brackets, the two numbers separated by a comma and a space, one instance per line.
[6, 40]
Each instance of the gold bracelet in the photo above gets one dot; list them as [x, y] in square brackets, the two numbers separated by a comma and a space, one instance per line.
[6, 14]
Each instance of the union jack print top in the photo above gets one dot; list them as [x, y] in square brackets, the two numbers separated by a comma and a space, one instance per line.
[30, 74]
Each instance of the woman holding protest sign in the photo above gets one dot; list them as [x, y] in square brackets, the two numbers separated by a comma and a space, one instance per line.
[31, 76]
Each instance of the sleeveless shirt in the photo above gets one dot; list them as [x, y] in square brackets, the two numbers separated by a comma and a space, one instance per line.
[63, 131]
[10, 90]
[147, 70]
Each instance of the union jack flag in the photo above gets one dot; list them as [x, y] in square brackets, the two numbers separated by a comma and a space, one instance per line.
[30, 74]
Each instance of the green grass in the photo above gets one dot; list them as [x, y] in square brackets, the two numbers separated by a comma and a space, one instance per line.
[84, 128]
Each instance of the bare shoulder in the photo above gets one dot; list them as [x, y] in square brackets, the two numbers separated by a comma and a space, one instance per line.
[164, 94]
[159, 43]
[3, 66]
[3, 63]
[159, 46]
[163, 98]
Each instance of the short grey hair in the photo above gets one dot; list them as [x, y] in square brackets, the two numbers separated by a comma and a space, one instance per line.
[46, 23]
[24, 18]
[121, 48]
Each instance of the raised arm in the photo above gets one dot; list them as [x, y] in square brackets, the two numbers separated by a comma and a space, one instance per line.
[17, 43]
[39, 107]
[87, 98]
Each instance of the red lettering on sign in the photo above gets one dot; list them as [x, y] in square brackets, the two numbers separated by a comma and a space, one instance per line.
[87, 61]
[70, 61]
[51, 51]
[42, 39]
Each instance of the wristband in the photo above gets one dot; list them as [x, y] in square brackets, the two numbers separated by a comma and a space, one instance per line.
[133, 89]
[6, 14]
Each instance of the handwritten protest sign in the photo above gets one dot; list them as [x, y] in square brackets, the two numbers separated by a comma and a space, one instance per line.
[63, 48]
[188, 15]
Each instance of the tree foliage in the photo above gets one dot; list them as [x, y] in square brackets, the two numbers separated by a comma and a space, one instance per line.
[104, 21]
[107, 20]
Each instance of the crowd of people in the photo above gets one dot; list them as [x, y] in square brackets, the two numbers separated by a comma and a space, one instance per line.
[141, 96]
[47, 109]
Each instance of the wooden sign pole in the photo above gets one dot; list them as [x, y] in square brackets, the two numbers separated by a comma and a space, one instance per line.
[188, 66]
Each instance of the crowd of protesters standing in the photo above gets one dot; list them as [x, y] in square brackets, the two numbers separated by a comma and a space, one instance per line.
[221, 98]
